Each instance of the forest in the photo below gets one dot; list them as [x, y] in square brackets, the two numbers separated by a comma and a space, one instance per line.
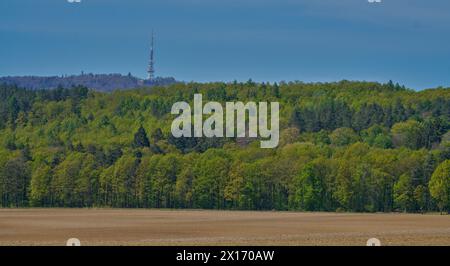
[344, 146]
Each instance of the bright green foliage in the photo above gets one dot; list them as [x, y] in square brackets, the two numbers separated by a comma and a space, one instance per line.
[408, 134]
[343, 136]
[310, 187]
[404, 193]
[440, 185]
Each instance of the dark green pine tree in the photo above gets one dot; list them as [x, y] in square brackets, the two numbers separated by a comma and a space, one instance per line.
[276, 90]
[157, 135]
[141, 139]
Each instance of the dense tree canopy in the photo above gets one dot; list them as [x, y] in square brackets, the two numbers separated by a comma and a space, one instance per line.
[345, 146]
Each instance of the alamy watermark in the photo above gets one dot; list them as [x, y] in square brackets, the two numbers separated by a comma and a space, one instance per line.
[236, 121]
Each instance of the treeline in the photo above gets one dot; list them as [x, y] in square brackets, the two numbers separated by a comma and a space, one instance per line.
[347, 146]
[100, 82]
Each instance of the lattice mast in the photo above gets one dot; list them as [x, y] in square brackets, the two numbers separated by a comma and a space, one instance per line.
[151, 64]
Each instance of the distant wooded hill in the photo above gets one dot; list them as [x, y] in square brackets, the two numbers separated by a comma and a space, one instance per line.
[99, 82]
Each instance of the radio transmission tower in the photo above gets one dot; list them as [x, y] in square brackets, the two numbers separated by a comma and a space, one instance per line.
[151, 64]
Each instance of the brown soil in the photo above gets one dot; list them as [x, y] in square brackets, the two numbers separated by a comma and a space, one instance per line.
[197, 227]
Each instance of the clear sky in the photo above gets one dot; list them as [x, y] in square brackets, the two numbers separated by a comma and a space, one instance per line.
[407, 41]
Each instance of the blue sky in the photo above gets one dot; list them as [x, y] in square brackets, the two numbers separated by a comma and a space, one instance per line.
[407, 41]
